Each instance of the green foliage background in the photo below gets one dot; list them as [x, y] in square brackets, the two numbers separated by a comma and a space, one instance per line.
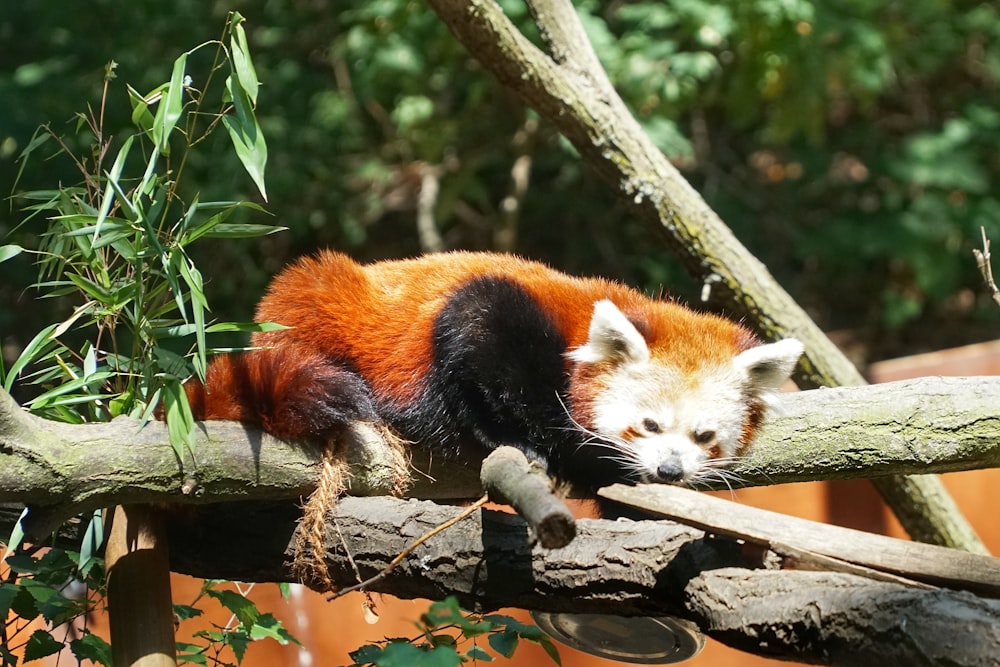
[852, 145]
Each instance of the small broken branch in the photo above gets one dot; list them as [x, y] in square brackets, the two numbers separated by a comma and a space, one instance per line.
[508, 478]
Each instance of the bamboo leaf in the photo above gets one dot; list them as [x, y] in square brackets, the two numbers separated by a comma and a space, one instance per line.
[245, 132]
[35, 348]
[180, 421]
[48, 398]
[171, 105]
[242, 230]
[9, 251]
[242, 64]
[113, 175]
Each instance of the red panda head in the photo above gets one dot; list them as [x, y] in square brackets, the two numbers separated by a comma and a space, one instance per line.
[666, 419]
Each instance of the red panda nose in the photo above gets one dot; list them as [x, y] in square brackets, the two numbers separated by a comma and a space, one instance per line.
[669, 472]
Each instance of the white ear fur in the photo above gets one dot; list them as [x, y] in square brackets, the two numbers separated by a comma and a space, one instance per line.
[768, 366]
[611, 338]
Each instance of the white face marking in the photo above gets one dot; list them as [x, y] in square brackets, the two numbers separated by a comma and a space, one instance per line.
[665, 424]
[669, 423]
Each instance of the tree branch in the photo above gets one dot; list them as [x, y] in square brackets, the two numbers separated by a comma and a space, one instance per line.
[613, 567]
[914, 426]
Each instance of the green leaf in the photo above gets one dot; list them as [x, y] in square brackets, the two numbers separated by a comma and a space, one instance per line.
[39, 645]
[478, 653]
[400, 654]
[285, 589]
[8, 593]
[238, 642]
[8, 251]
[268, 627]
[113, 175]
[171, 273]
[245, 327]
[245, 132]
[81, 310]
[51, 604]
[242, 64]
[93, 540]
[91, 384]
[16, 536]
[184, 611]
[199, 304]
[93, 648]
[366, 655]
[242, 230]
[141, 116]
[447, 612]
[40, 136]
[171, 105]
[504, 643]
[36, 347]
[180, 421]
[550, 648]
[24, 605]
[190, 654]
[443, 612]
[244, 610]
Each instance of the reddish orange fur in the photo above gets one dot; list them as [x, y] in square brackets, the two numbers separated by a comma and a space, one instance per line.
[381, 315]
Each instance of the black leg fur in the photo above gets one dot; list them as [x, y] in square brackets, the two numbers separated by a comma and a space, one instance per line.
[498, 370]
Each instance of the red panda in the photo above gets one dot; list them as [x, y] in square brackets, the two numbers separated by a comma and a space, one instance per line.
[461, 350]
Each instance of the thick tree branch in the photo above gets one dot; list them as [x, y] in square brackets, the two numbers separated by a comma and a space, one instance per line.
[839, 619]
[572, 91]
[619, 567]
[915, 426]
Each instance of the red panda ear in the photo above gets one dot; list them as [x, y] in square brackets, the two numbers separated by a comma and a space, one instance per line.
[768, 366]
[611, 338]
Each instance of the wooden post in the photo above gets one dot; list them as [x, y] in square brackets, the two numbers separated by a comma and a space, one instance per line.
[140, 610]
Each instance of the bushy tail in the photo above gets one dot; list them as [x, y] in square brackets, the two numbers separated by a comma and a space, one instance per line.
[291, 393]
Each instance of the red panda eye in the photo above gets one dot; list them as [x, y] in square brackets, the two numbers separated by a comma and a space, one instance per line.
[651, 426]
[704, 437]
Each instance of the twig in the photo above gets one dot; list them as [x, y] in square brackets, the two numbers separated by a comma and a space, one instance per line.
[408, 550]
[983, 262]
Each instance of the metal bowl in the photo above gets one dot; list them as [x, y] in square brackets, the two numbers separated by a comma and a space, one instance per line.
[643, 640]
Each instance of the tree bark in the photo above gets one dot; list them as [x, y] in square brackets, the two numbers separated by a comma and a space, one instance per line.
[914, 426]
[612, 567]
[571, 90]
[839, 619]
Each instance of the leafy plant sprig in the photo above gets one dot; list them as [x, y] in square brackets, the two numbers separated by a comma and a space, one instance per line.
[445, 629]
[117, 244]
